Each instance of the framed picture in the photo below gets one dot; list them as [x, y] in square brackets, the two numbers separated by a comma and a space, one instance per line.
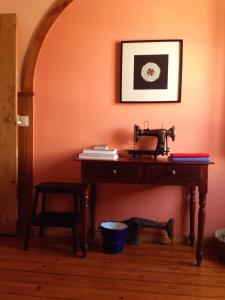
[151, 71]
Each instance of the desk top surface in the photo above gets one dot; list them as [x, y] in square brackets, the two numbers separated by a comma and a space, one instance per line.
[144, 160]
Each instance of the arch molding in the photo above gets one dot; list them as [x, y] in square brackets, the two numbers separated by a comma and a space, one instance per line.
[25, 107]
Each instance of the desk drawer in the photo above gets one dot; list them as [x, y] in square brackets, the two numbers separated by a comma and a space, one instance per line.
[172, 174]
[112, 172]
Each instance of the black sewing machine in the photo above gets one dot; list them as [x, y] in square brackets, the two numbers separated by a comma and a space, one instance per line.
[161, 134]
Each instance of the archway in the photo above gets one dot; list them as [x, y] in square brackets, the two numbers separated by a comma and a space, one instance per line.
[25, 107]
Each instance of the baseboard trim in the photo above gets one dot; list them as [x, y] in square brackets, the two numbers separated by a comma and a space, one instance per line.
[146, 237]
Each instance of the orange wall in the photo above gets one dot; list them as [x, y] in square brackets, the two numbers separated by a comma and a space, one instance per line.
[29, 13]
[77, 99]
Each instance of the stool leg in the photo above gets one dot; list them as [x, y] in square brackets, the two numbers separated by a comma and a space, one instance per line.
[43, 208]
[35, 204]
[74, 239]
[42, 230]
[92, 210]
[75, 202]
[27, 237]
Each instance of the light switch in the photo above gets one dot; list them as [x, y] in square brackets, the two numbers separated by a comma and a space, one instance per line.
[23, 121]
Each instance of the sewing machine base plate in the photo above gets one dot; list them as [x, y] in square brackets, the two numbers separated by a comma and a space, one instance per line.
[139, 153]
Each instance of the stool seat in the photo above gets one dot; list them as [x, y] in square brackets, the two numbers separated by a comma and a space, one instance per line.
[46, 218]
[58, 187]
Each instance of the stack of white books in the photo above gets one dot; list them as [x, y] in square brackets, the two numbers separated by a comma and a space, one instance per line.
[99, 152]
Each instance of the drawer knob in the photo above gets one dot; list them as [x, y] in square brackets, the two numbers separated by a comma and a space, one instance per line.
[173, 172]
[114, 171]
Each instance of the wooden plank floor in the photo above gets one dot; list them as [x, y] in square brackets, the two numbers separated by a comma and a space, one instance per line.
[49, 270]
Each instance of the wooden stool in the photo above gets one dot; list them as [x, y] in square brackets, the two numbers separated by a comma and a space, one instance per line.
[54, 219]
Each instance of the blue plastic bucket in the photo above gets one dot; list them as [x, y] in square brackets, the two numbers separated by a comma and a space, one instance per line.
[113, 236]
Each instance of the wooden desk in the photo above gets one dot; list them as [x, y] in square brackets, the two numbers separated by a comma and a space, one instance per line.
[146, 171]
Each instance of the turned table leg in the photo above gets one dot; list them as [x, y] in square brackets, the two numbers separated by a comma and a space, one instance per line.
[201, 225]
[92, 209]
[86, 189]
[192, 204]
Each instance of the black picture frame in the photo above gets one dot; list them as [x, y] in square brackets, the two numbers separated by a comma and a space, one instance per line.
[151, 71]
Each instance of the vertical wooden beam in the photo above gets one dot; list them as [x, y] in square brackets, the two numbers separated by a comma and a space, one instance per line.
[25, 163]
[8, 125]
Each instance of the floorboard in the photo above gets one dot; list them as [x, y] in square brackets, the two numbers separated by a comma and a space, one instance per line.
[150, 271]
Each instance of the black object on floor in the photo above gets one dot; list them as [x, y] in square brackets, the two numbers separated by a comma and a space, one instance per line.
[136, 224]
